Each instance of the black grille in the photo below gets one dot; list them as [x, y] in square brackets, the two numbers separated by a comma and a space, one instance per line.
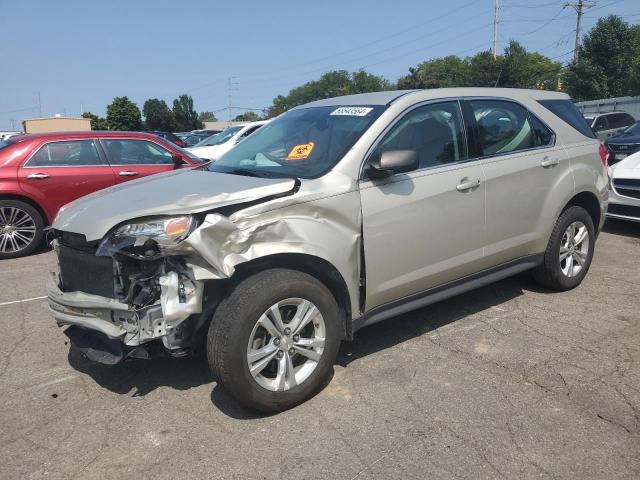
[83, 271]
[626, 210]
[629, 187]
[624, 147]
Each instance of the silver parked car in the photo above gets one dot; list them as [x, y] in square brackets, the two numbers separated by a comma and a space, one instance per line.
[605, 124]
[336, 215]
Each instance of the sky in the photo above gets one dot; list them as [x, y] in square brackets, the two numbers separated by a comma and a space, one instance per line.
[69, 56]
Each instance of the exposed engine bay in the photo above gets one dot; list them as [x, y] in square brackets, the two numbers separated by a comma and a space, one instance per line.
[142, 292]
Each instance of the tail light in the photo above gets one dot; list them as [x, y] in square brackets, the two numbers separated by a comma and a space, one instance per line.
[604, 155]
[181, 143]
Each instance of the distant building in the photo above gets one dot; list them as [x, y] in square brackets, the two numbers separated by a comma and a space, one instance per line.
[56, 124]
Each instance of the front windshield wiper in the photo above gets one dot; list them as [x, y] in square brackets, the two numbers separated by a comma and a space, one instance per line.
[249, 173]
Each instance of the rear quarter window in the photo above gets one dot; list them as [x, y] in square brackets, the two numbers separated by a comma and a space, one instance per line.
[569, 113]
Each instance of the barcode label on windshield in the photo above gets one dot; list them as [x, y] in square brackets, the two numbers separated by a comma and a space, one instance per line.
[352, 111]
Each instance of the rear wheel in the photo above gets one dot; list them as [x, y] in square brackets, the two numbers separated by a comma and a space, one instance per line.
[274, 339]
[569, 252]
[21, 229]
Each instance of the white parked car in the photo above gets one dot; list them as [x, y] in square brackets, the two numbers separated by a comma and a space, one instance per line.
[624, 194]
[217, 145]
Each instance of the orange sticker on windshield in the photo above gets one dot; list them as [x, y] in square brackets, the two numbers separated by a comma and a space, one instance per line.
[300, 152]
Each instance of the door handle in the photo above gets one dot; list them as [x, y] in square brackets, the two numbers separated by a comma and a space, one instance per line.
[549, 162]
[127, 173]
[37, 176]
[466, 184]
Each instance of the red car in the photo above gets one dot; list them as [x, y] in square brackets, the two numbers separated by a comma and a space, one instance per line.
[40, 173]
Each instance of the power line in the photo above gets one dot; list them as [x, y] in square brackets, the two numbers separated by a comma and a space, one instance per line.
[420, 25]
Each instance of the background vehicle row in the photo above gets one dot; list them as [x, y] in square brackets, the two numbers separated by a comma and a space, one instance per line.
[40, 173]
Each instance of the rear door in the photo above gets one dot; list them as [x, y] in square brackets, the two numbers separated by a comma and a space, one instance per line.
[423, 228]
[524, 170]
[136, 158]
[61, 171]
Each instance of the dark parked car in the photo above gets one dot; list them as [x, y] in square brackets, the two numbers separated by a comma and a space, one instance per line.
[42, 172]
[171, 138]
[624, 143]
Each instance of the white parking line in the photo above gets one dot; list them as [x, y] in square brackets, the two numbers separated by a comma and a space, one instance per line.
[22, 301]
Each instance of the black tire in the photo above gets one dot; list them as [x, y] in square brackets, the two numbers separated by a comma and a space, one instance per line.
[550, 274]
[233, 322]
[38, 222]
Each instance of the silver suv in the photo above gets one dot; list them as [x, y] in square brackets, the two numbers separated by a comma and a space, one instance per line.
[336, 215]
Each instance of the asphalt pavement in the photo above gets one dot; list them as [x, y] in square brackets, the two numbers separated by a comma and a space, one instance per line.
[509, 381]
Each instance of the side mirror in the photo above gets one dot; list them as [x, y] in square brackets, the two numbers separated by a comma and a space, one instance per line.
[392, 162]
[177, 160]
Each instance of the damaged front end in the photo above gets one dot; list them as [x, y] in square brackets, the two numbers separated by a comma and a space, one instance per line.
[134, 287]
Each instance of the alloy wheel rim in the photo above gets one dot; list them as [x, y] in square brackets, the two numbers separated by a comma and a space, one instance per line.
[574, 249]
[17, 229]
[286, 344]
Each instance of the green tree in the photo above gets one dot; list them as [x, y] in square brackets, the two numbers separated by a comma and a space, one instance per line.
[186, 117]
[610, 52]
[484, 70]
[207, 117]
[331, 84]
[247, 117]
[514, 68]
[97, 123]
[123, 114]
[522, 69]
[158, 116]
[444, 72]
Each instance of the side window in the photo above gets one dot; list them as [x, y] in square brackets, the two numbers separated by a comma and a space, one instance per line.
[620, 120]
[627, 120]
[540, 133]
[434, 131]
[72, 153]
[136, 152]
[248, 132]
[505, 127]
[601, 124]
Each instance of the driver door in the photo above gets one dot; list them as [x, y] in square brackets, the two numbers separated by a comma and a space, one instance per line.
[427, 227]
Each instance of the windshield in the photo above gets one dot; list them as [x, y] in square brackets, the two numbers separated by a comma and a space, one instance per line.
[219, 138]
[301, 143]
[635, 128]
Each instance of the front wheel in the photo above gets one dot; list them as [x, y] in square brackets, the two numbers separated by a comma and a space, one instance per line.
[569, 251]
[273, 340]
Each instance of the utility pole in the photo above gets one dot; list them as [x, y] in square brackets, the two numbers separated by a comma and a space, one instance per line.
[232, 87]
[495, 29]
[579, 8]
[39, 106]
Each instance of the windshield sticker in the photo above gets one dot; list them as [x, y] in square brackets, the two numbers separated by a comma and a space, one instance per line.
[300, 152]
[352, 111]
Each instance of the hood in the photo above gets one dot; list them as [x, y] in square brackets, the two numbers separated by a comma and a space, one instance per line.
[210, 152]
[627, 168]
[172, 193]
[623, 137]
